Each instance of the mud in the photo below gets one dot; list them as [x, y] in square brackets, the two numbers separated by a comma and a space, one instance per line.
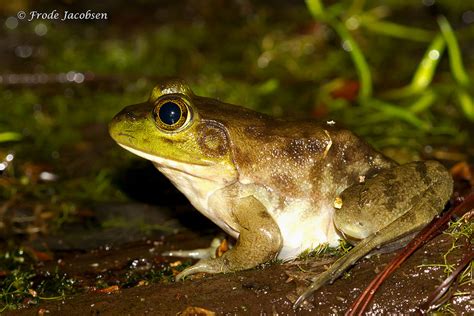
[260, 291]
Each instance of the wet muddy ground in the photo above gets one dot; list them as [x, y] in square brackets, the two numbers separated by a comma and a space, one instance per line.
[266, 290]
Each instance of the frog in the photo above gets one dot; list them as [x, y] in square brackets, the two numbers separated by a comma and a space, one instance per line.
[279, 186]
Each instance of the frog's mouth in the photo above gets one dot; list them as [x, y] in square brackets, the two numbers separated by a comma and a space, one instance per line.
[195, 170]
[175, 163]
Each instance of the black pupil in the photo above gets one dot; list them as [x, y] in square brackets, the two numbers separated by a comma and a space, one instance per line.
[169, 113]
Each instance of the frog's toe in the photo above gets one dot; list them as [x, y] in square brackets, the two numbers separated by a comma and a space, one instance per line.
[194, 254]
[302, 298]
[201, 253]
[186, 272]
[205, 265]
[325, 277]
[318, 282]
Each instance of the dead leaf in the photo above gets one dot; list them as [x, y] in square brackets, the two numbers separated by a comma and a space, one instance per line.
[175, 264]
[142, 283]
[462, 170]
[196, 311]
[110, 289]
[42, 256]
[346, 89]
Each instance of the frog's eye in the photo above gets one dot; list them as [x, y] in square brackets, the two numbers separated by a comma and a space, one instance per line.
[171, 115]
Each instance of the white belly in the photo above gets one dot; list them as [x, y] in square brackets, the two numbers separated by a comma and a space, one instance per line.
[303, 228]
[304, 224]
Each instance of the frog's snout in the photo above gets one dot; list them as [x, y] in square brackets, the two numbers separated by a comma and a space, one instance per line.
[129, 126]
[130, 115]
[134, 112]
[127, 114]
[117, 124]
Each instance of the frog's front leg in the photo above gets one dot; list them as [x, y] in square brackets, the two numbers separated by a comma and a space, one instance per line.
[259, 241]
[389, 206]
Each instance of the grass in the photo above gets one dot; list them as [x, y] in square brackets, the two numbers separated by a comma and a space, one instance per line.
[461, 232]
[423, 76]
[324, 249]
[9, 137]
[21, 284]
[318, 11]
[415, 107]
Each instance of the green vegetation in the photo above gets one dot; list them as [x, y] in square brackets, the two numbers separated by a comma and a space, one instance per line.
[21, 284]
[9, 137]
[414, 104]
[325, 250]
[461, 233]
[140, 272]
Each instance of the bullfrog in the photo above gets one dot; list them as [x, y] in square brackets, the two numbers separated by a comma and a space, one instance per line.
[279, 186]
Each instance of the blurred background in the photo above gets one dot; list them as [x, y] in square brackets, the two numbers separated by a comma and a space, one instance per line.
[398, 73]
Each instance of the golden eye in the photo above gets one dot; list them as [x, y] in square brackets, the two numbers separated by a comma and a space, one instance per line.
[171, 114]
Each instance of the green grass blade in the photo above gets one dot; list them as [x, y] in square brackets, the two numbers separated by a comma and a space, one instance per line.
[423, 102]
[9, 137]
[467, 105]
[359, 60]
[427, 67]
[396, 30]
[317, 11]
[455, 59]
[316, 8]
[424, 73]
[400, 113]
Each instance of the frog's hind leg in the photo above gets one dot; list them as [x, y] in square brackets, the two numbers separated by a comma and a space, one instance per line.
[407, 197]
[360, 250]
[393, 245]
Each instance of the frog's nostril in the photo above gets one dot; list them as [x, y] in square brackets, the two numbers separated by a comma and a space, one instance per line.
[130, 115]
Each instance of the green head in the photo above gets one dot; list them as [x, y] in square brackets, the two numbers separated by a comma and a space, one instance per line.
[168, 130]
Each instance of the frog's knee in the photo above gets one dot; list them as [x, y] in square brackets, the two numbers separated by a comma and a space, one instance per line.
[353, 229]
[365, 208]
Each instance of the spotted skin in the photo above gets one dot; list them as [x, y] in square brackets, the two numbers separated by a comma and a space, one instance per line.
[272, 183]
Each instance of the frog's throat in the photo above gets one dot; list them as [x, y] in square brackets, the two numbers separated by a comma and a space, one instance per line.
[180, 166]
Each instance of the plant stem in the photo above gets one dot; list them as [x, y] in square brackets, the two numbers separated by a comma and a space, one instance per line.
[318, 12]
